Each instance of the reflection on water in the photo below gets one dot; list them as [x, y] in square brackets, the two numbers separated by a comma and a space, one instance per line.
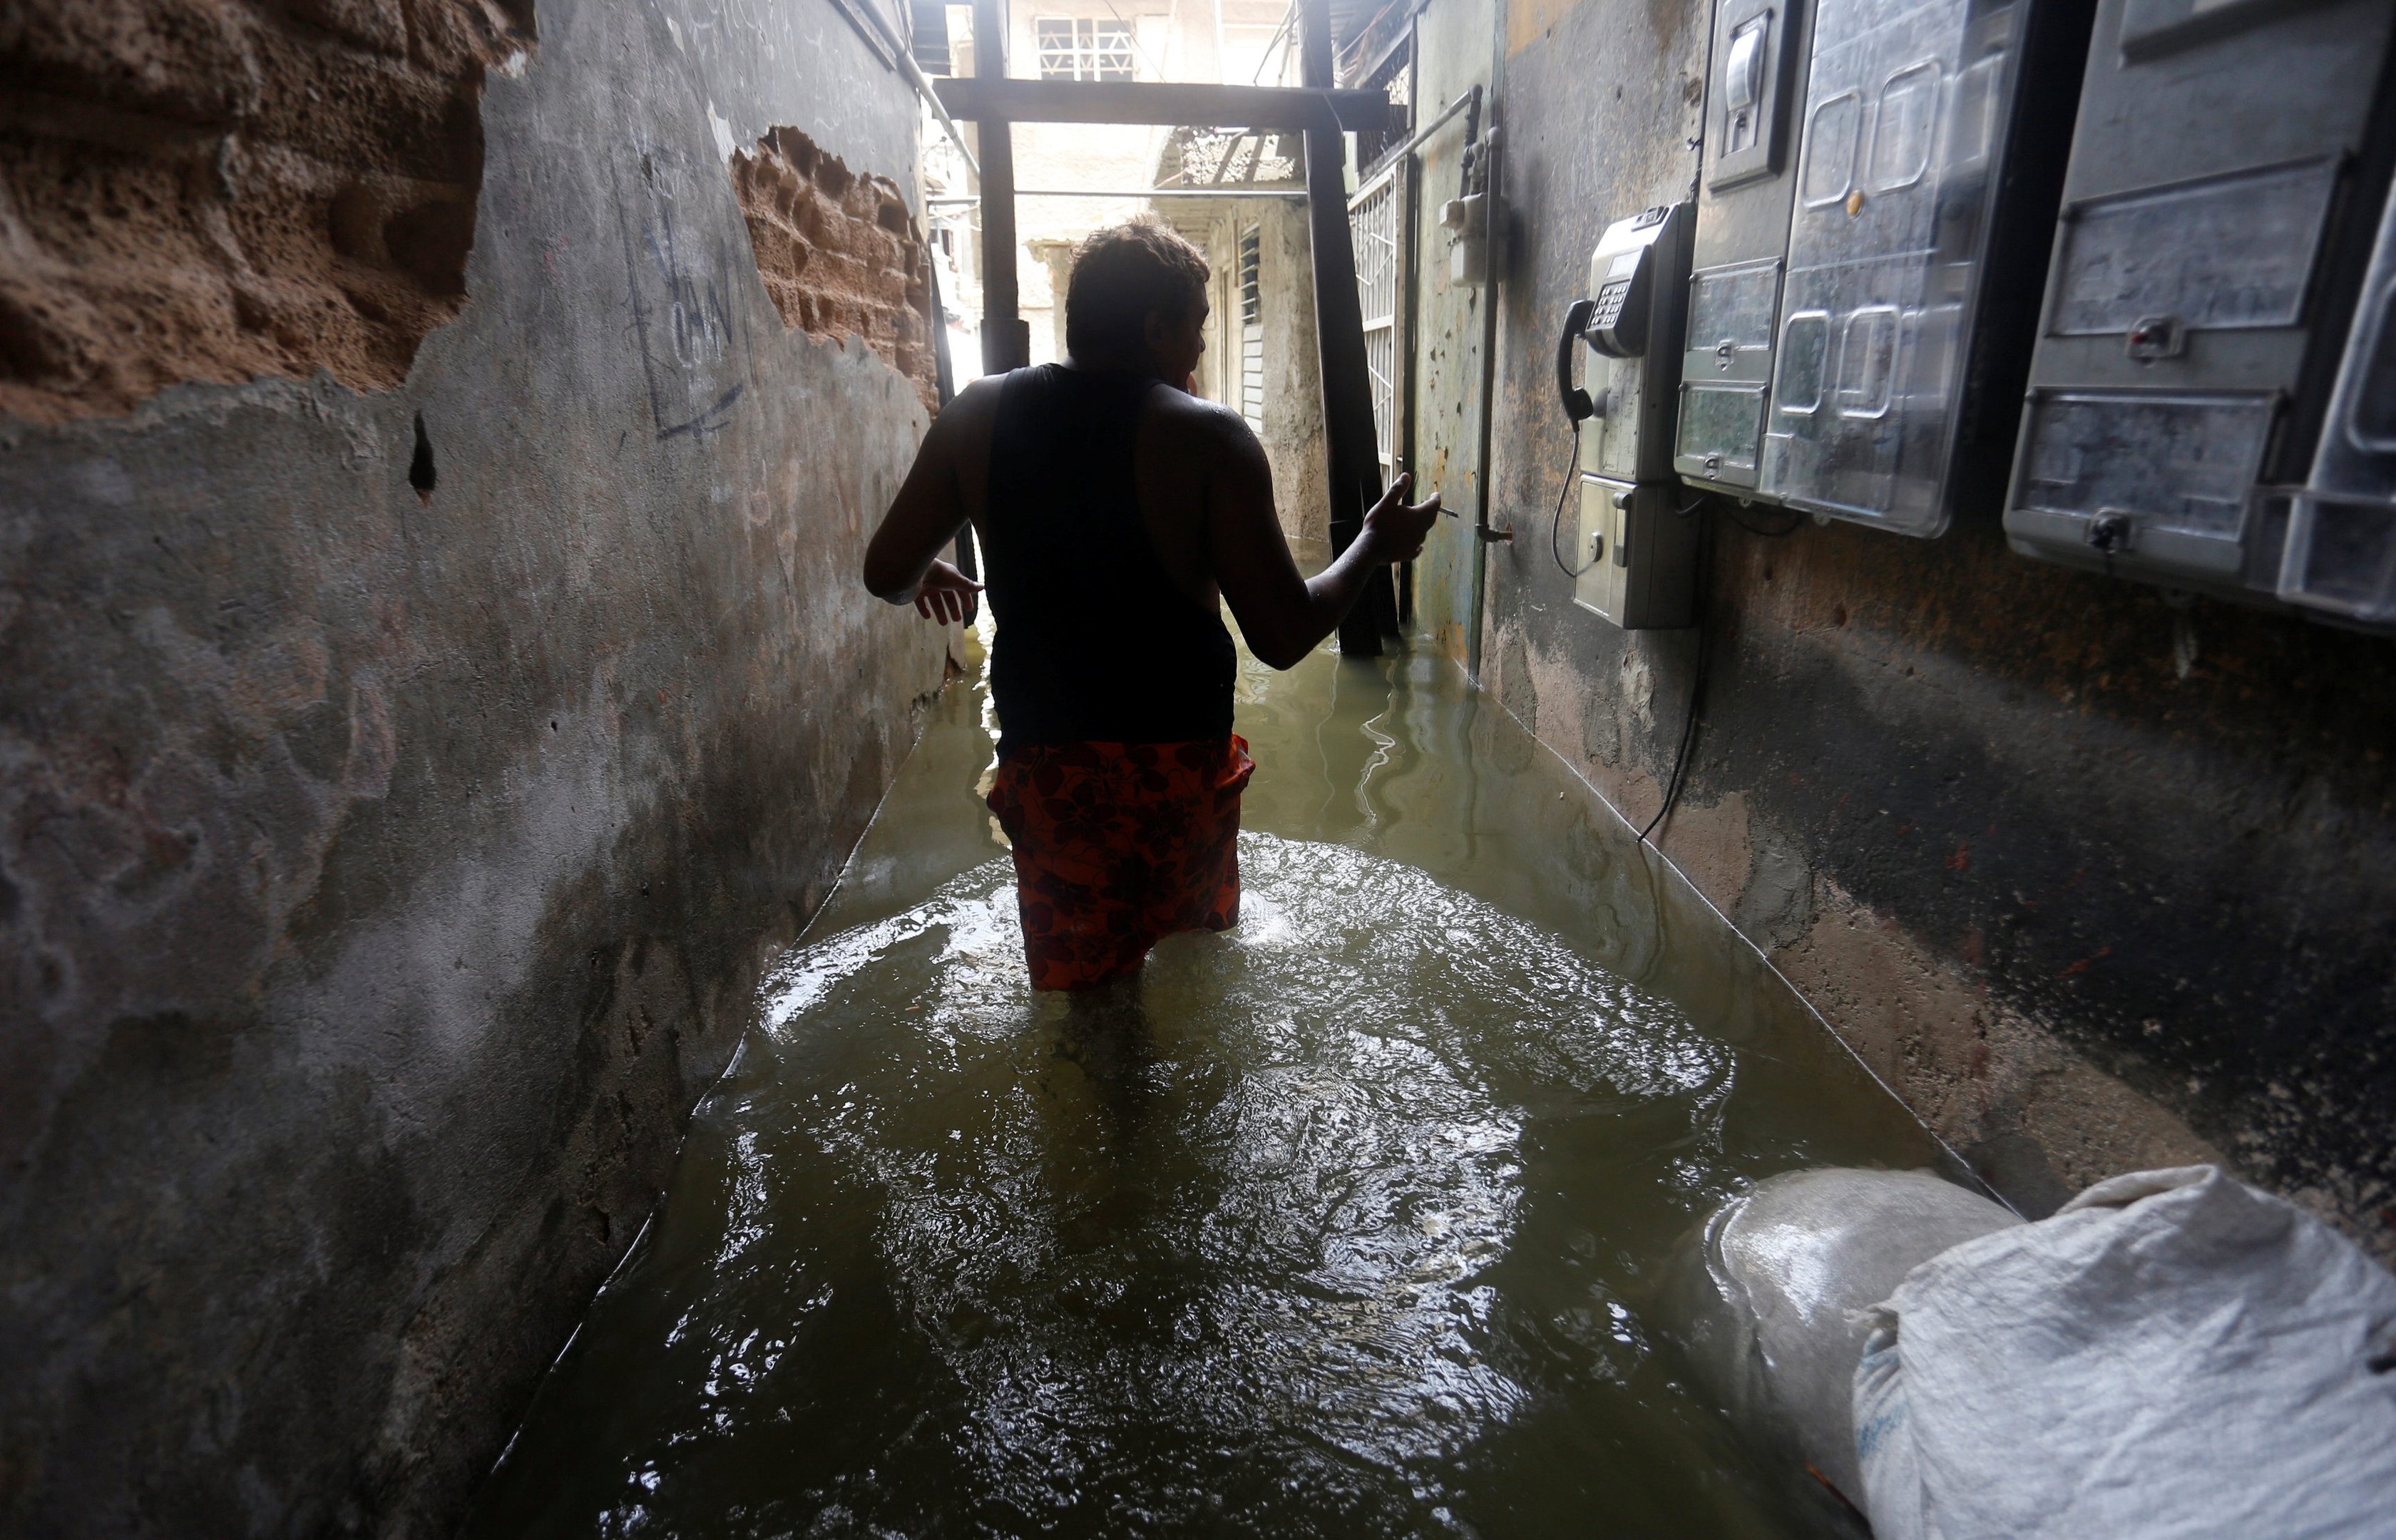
[1339, 1223]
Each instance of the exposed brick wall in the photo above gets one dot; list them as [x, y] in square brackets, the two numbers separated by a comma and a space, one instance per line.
[219, 190]
[839, 252]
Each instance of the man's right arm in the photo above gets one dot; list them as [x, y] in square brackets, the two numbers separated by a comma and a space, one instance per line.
[903, 562]
[1285, 617]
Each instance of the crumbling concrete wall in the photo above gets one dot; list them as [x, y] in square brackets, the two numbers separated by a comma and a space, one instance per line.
[217, 190]
[406, 768]
[840, 254]
[2094, 881]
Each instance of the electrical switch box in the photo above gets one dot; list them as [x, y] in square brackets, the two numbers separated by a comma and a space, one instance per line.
[1741, 240]
[1638, 556]
[1929, 154]
[1637, 559]
[2224, 182]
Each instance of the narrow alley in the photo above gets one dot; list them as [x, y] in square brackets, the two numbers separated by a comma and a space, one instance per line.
[627, 907]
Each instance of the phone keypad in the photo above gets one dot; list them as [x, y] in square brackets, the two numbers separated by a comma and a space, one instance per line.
[1608, 311]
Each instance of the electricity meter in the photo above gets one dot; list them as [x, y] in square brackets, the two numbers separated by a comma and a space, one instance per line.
[1887, 320]
[1465, 219]
[1741, 239]
[2217, 215]
[1758, 45]
[1638, 552]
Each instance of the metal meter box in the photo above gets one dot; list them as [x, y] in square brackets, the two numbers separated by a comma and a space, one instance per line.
[2223, 184]
[1638, 555]
[1928, 156]
[2339, 557]
[1637, 552]
[1744, 196]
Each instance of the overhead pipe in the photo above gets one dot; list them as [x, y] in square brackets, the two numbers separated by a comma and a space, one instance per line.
[1236, 190]
[1469, 98]
[903, 58]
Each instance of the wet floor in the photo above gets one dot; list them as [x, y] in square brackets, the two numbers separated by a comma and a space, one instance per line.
[1349, 1225]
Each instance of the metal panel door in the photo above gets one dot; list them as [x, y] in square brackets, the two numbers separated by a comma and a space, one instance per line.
[1454, 50]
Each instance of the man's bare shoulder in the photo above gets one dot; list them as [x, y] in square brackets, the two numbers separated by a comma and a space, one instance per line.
[973, 410]
[1196, 426]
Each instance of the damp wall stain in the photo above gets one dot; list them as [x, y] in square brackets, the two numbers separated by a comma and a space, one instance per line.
[2094, 881]
[402, 789]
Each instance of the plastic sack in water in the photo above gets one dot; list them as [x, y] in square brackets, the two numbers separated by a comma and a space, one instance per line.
[1767, 1298]
[2172, 1353]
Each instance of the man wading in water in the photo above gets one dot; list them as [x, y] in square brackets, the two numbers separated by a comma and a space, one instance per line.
[1116, 512]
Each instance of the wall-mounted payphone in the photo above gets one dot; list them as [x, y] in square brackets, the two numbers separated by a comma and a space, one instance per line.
[1858, 326]
[1636, 554]
[2219, 213]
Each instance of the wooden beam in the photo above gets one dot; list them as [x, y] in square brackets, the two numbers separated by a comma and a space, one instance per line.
[1281, 107]
[1005, 340]
[1348, 435]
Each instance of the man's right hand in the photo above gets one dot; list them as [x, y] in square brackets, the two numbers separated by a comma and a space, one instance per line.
[1394, 529]
[945, 594]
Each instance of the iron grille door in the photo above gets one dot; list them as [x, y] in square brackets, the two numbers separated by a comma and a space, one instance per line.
[1376, 222]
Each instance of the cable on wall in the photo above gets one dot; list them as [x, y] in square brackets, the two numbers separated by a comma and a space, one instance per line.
[1696, 685]
[1796, 522]
[1556, 525]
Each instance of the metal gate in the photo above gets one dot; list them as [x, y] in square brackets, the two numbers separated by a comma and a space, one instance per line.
[1377, 224]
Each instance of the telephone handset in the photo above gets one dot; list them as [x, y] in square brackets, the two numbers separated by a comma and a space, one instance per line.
[1578, 407]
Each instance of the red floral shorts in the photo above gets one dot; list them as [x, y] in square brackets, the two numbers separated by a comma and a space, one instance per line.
[1118, 846]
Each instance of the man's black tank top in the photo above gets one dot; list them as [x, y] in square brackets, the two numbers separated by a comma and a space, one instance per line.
[1095, 643]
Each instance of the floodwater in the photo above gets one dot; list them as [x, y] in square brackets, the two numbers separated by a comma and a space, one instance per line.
[1350, 1224]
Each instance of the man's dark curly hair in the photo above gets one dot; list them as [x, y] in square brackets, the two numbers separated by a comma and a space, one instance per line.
[1121, 274]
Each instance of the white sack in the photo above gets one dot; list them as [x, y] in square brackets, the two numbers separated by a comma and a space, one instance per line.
[1768, 1297]
[2170, 1354]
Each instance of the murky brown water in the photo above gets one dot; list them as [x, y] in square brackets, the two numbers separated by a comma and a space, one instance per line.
[1348, 1227]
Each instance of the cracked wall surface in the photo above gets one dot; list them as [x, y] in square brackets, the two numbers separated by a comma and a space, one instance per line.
[2093, 879]
[404, 772]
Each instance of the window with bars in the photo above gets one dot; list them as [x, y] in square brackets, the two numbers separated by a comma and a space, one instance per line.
[1078, 48]
[1252, 329]
[930, 34]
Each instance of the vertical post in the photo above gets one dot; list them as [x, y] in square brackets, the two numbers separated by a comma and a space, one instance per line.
[1006, 340]
[1355, 480]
